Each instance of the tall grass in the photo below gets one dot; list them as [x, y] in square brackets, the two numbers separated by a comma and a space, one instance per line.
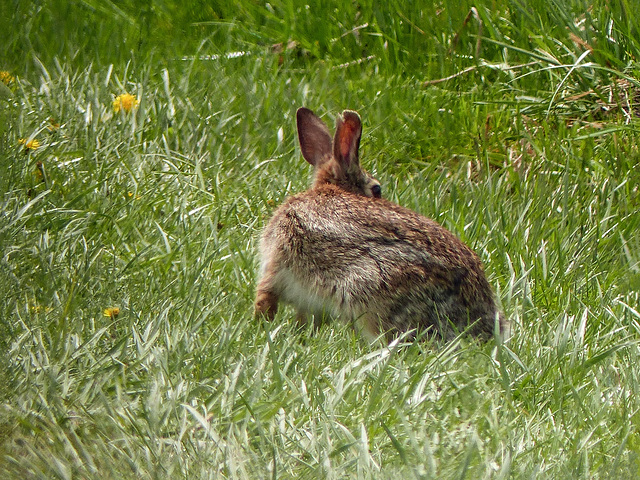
[128, 344]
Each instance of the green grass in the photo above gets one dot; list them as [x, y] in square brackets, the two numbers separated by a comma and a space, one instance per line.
[529, 153]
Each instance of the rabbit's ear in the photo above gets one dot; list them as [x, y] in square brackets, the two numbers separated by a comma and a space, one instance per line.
[314, 137]
[347, 139]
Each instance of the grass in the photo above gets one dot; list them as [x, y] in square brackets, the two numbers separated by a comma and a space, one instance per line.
[528, 151]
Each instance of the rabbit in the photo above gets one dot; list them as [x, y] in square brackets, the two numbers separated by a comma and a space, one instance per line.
[340, 249]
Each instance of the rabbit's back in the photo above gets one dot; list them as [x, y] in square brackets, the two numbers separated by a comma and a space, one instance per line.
[358, 256]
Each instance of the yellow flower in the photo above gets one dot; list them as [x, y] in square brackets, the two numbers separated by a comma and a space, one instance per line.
[39, 308]
[111, 312]
[125, 102]
[6, 77]
[32, 144]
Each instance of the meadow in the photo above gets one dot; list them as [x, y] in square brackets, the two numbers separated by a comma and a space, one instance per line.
[129, 226]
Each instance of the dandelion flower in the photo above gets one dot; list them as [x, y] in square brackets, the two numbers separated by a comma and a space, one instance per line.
[125, 102]
[111, 312]
[32, 144]
[6, 78]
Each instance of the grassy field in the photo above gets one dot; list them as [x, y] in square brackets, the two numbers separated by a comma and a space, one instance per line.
[128, 347]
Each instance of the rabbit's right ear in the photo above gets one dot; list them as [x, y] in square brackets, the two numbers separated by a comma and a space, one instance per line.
[347, 139]
[314, 137]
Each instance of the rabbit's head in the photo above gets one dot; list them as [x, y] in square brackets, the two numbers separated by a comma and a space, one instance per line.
[335, 161]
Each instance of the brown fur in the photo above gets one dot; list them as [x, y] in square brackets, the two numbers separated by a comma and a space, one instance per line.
[339, 250]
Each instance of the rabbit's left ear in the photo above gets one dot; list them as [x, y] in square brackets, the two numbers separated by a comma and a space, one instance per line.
[347, 138]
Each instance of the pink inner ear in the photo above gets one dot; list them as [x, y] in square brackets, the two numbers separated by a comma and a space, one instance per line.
[347, 136]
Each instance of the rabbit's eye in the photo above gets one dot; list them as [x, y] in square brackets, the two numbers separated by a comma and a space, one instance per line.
[376, 191]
